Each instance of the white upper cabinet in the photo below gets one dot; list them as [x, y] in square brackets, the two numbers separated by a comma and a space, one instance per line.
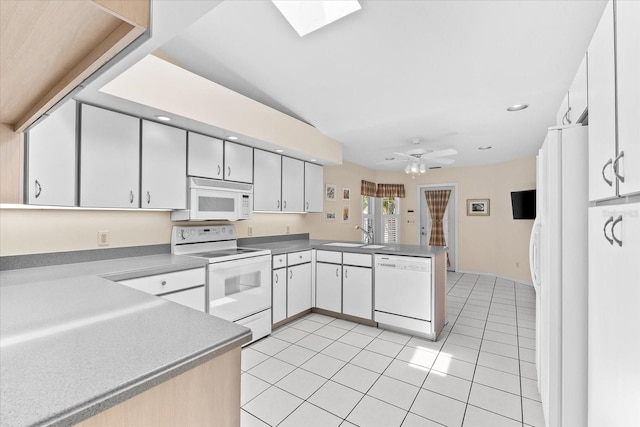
[628, 81]
[578, 93]
[313, 187]
[238, 162]
[205, 156]
[614, 103]
[602, 109]
[292, 185]
[51, 159]
[267, 174]
[164, 166]
[109, 159]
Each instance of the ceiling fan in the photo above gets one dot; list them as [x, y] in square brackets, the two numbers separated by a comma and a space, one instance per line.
[418, 158]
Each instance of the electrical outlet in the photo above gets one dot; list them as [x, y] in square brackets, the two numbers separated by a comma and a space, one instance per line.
[287, 230]
[250, 231]
[103, 238]
[517, 264]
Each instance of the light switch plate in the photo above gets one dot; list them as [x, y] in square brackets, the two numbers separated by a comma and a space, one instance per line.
[103, 238]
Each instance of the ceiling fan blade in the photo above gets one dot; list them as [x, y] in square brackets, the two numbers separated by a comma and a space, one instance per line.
[391, 161]
[439, 161]
[440, 153]
[405, 155]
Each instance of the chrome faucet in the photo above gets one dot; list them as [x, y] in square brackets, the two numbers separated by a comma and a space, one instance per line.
[368, 233]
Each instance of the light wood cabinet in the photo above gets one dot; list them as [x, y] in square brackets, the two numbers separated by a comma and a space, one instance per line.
[164, 166]
[267, 185]
[205, 156]
[238, 162]
[279, 295]
[109, 159]
[51, 159]
[614, 350]
[313, 187]
[292, 185]
[614, 105]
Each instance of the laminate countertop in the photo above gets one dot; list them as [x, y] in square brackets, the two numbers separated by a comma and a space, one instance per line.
[287, 246]
[74, 343]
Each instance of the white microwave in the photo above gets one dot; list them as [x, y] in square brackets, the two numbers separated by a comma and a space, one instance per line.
[210, 200]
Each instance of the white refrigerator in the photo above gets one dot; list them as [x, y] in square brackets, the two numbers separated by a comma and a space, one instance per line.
[558, 256]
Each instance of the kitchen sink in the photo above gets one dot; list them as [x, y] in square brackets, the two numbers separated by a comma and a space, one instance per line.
[372, 247]
[344, 245]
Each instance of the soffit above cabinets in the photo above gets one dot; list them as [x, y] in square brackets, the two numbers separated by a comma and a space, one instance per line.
[48, 48]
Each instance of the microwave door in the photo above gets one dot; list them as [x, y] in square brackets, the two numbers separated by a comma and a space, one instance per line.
[206, 206]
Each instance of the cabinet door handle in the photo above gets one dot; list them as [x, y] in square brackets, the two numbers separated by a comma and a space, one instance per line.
[218, 170]
[131, 196]
[608, 181]
[276, 279]
[278, 204]
[290, 274]
[613, 231]
[615, 166]
[567, 117]
[284, 204]
[337, 272]
[228, 170]
[604, 230]
[307, 205]
[148, 197]
[163, 283]
[346, 273]
[38, 189]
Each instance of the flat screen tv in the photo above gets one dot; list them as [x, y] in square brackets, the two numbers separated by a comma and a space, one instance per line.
[523, 204]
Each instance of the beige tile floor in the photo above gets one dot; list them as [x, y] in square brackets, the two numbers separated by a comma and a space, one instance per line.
[321, 371]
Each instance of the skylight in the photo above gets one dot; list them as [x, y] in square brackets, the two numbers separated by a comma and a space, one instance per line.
[306, 16]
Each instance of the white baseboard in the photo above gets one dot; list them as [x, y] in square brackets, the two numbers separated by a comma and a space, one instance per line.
[484, 273]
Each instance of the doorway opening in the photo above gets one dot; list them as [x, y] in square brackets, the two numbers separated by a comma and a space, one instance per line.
[449, 220]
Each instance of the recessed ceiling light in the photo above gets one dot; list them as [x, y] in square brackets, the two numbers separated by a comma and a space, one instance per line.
[307, 16]
[313, 160]
[163, 118]
[517, 107]
[279, 151]
[485, 147]
[233, 138]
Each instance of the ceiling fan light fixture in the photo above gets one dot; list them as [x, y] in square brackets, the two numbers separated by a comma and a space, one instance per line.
[308, 16]
[407, 169]
[423, 168]
[414, 168]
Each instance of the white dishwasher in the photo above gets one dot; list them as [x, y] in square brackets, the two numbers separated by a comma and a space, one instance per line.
[403, 294]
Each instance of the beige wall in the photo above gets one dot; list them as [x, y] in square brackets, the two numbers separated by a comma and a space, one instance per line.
[495, 244]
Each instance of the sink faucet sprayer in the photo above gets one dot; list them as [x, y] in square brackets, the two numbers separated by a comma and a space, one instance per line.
[368, 233]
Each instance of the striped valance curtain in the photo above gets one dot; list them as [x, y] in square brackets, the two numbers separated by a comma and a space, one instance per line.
[368, 188]
[390, 190]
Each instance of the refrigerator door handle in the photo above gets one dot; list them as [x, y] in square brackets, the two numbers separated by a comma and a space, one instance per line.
[533, 254]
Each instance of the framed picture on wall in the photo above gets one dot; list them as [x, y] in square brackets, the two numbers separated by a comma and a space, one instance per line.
[346, 194]
[478, 207]
[346, 212]
[330, 216]
[330, 192]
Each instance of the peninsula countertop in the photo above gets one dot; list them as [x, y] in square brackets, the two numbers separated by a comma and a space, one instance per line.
[286, 246]
[74, 343]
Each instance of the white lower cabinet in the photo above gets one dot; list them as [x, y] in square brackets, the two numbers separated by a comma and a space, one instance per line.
[298, 289]
[614, 296]
[279, 295]
[357, 291]
[329, 286]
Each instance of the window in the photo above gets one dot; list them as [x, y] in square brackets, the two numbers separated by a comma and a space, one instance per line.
[382, 216]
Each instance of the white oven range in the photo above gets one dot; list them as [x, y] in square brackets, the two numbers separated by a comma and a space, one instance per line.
[239, 279]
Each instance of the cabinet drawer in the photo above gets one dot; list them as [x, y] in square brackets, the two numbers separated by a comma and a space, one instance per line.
[362, 260]
[168, 282]
[279, 261]
[329, 256]
[298, 258]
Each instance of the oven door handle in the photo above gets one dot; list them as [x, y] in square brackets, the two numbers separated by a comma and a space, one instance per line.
[242, 262]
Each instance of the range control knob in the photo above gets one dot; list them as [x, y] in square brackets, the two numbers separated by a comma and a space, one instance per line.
[183, 234]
